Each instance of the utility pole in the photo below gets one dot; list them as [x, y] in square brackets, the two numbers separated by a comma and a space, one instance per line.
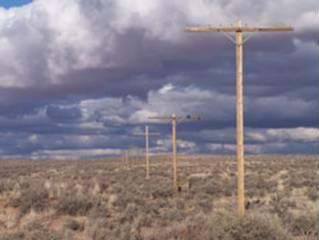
[123, 158]
[147, 134]
[126, 159]
[173, 118]
[239, 41]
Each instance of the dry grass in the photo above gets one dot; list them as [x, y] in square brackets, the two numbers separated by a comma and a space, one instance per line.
[104, 200]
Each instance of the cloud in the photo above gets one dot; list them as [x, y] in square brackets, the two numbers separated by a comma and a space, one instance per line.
[297, 134]
[74, 154]
[109, 121]
[60, 113]
[64, 36]
[218, 107]
[78, 68]
[183, 146]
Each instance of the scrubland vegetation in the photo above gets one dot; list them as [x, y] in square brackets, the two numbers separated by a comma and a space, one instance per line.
[51, 200]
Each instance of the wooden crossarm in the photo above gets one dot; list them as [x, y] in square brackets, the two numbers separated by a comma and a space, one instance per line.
[149, 134]
[154, 134]
[138, 134]
[272, 29]
[239, 29]
[161, 118]
[192, 117]
[179, 118]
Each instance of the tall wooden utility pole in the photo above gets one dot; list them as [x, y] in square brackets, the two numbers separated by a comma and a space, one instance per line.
[239, 41]
[147, 134]
[174, 120]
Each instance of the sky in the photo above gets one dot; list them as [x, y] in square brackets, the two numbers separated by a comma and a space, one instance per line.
[78, 77]
[13, 3]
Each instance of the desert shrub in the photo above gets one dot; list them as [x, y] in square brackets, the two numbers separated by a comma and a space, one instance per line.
[162, 190]
[229, 186]
[3, 187]
[251, 227]
[127, 197]
[179, 203]
[98, 228]
[103, 183]
[299, 180]
[13, 236]
[304, 225]
[312, 194]
[33, 231]
[25, 185]
[35, 197]
[38, 231]
[102, 234]
[281, 204]
[6, 185]
[204, 202]
[74, 205]
[99, 210]
[170, 215]
[130, 213]
[212, 187]
[260, 184]
[73, 225]
[207, 185]
[101, 229]
[193, 228]
[224, 226]
[123, 233]
[152, 208]
[144, 220]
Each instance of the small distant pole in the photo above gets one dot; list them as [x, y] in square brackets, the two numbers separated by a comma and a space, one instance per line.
[239, 42]
[174, 150]
[127, 159]
[173, 118]
[124, 158]
[147, 134]
[147, 157]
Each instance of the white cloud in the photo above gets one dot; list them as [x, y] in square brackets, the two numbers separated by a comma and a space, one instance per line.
[221, 148]
[296, 134]
[183, 146]
[74, 154]
[256, 136]
[34, 138]
[185, 101]
[45, 40]
[166, 88]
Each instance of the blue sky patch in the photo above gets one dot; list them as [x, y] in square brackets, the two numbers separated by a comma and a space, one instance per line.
[13, 3]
